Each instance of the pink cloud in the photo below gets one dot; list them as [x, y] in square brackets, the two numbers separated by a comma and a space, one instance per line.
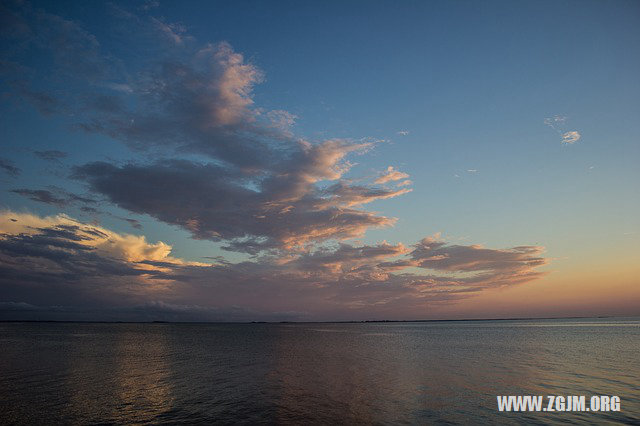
[391, 174]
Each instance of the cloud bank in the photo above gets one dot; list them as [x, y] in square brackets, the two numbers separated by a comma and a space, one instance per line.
[59, 261]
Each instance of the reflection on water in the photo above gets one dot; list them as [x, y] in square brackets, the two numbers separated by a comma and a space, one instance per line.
[436, 372]
[142, 382]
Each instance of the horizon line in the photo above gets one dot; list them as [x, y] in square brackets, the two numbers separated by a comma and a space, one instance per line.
[313, 322]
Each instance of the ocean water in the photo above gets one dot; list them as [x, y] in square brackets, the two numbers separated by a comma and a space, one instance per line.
[339, 373]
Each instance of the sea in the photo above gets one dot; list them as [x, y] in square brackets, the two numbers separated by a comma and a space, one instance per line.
[436, 372]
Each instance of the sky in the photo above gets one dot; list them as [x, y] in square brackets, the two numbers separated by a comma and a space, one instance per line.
[319, 161]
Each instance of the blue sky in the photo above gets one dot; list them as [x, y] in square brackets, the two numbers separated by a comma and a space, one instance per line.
[458, 95]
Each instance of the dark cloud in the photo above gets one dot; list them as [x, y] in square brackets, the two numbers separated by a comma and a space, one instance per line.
[55, 264]
[9, 167]
[41, 196]
[50, 155]
[55, 196]
[59, 260]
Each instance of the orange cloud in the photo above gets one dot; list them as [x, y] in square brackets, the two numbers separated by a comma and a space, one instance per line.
[390, 175]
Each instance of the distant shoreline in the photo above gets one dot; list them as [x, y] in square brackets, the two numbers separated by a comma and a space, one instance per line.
[312, 322]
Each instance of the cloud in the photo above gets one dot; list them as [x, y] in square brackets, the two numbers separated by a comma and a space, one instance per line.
[50, 155]
[343, 194]
[69, 263]
[403, 132]
[42, 196]
[58, 259]
[64, 231]
[149, 4]
[74, 50]
[347, 259]
[174, 32]
[44, 102]
[556, 119]
[281, 119]
[390, 175]
[133, 222]
[201, 103]
[558, 123]
[570, 137]
[493, 267]
[282, 211]
[69, 57]
[55, 196]
[9, 167]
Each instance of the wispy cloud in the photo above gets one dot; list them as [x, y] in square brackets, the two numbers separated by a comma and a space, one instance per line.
[9, 167]
[149, 4]
[50, 155]
[555, 120]
[54, 196]
[173, 31]
[558, 123]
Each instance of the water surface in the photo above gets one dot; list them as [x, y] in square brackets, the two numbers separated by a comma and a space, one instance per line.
[360, 373]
